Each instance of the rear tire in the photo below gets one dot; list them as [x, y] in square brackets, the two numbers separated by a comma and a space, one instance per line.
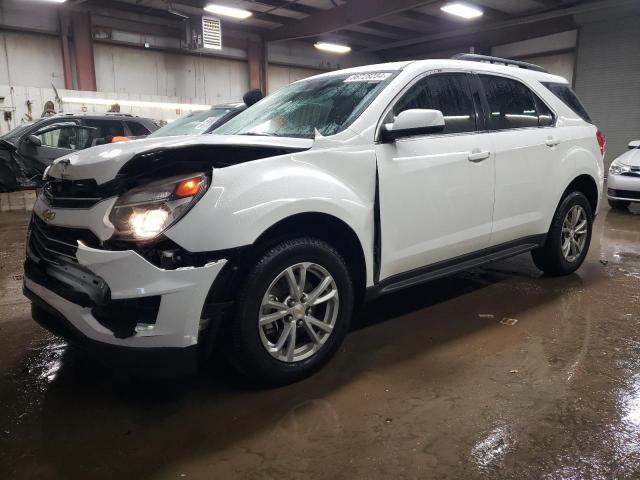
[260, 346]
[619, 204]
[567, 242]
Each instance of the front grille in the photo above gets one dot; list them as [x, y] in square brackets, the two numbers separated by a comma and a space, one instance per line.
[72, 193]
[634, 195]
[635, 172]
[57, 244]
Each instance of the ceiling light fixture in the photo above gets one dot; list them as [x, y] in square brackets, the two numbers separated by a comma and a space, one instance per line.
[55, 1]
[462, 10]
[332, 47]
[228, 11]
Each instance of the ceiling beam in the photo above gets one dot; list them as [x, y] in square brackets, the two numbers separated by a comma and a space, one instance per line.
[364, 38]
[257, 14]
[484, 26]
[294, 7]
[482, 42]
[352, 13]
[401, 32]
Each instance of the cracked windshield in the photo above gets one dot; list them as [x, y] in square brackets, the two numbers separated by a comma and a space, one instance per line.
[327, 104]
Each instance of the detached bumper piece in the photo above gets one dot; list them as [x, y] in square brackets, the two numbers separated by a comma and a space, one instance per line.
[163, 362]
[119, 316]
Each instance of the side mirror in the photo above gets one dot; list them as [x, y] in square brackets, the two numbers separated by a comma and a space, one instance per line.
[635, 144]
[33, 140]
[413, 122]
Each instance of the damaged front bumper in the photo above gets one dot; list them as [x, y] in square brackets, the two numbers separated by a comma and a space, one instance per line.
[118, 301]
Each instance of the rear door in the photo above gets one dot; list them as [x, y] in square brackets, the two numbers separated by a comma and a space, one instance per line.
[436, 191]
[525, 143]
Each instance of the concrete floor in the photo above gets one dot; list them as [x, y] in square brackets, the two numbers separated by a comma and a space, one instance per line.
[432, 383]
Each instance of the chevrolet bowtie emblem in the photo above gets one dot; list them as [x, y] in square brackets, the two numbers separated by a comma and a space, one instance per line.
[48, 215]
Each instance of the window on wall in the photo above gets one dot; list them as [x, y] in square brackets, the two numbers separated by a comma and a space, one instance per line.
[511, 103]
[448, 92]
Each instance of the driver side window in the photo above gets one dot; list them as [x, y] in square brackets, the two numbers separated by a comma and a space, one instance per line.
[448, 92]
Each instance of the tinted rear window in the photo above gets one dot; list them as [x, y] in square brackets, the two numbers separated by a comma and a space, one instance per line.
[511, 103]
[564, 93]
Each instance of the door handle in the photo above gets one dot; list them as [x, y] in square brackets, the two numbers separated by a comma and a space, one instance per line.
[552, 142]
[477, 156]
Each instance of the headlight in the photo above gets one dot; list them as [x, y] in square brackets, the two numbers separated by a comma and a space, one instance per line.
[146, 211]
[618, 168]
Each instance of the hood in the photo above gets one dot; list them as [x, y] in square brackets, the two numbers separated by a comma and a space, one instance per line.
[631, 158]
[7, 145]
[103, 163]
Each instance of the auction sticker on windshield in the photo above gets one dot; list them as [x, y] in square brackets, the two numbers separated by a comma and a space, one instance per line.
[368, 77]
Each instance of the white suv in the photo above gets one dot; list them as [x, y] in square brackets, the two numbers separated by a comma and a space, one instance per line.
[262, 239]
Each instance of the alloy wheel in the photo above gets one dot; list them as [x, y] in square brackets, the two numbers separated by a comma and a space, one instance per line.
[298, 312]
[574, 233]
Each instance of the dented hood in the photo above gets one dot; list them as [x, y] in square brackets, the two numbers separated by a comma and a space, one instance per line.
[104, 162]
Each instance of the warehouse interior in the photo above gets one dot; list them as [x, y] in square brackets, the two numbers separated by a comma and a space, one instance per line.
[497, 372]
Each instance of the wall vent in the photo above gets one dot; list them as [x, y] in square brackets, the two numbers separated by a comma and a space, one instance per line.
[204, 33]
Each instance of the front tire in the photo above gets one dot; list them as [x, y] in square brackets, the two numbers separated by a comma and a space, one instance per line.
[568, 239]
[293, 312]
[618, 204]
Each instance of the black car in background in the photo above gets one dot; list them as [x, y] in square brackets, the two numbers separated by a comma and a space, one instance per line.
[27, 150]
[200, 123]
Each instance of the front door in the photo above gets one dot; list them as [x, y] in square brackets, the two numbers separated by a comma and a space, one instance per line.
[436, 191]
[42, 147]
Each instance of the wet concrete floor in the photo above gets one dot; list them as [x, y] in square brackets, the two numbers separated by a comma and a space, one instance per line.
[433, 382]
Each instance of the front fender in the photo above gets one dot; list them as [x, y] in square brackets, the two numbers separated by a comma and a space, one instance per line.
[247, 199]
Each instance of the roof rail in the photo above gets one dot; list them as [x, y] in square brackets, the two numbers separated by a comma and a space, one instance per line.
[487, 59]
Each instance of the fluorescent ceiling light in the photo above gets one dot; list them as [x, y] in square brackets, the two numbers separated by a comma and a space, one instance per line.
[55, 1]
[135, 103]
[228, 11]
[332, 47]
[462, 10]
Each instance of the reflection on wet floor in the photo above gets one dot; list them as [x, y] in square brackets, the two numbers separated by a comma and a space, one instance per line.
[431, 383]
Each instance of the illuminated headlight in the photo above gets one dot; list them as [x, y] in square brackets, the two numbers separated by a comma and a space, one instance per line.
[618, 168]
[145, 212]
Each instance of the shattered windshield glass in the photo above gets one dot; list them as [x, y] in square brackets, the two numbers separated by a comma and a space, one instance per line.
[328, 104]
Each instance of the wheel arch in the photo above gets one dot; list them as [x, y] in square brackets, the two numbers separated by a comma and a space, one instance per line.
[328, 228]
[587, 185]
[323, 226]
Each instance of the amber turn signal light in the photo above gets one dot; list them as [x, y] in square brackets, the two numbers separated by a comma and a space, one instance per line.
[189, 187]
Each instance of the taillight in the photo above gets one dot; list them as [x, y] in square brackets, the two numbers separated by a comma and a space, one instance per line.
[602, 142]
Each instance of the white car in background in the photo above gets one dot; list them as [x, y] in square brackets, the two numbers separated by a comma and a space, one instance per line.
[263, 238]
[623, 183]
